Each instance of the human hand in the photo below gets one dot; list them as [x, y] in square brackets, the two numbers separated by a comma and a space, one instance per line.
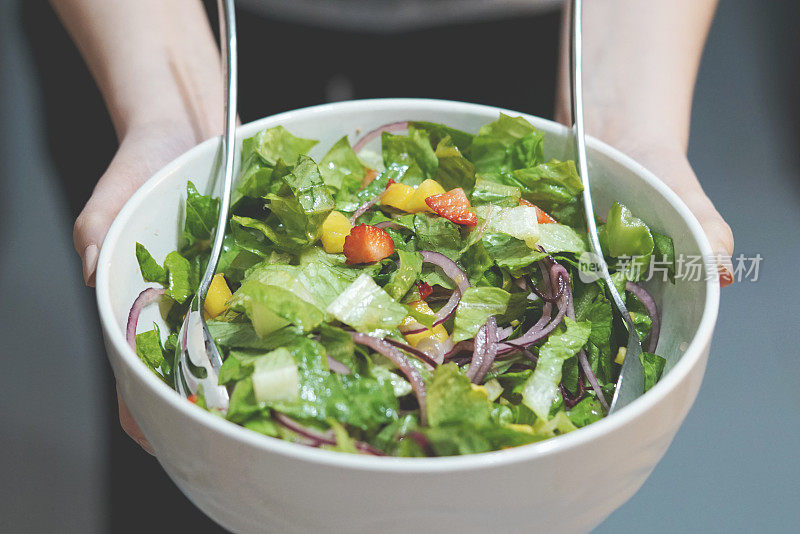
[668, 162]
[665, 156]
[142, 151]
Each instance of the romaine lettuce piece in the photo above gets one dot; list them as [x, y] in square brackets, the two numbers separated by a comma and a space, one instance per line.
[341, 169]
[413, 149]
[491, 150]
[180, 278]
[275, 144]
[518, 221]
[624, 234]
[150, 351]
[653, 368]
[548, 184]
[366, 307]
[437, 132]
[494, 193]
[541, 389]
[476, 306]
[454, 169]
[275, 377]
[511, 253]
[271, 307]
[150, 269]
[303, 202]
[555, 237]
[437, 234]
[405, 275]
[201, 218]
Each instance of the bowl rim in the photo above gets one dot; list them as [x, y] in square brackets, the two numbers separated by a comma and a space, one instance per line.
[116, 338]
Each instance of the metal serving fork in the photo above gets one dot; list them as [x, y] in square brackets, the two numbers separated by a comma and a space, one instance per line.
[630, 384]
[196, 347]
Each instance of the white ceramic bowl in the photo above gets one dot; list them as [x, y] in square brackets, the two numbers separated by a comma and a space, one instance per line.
[251, 483]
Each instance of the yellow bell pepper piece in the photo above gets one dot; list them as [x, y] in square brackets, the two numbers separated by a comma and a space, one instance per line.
[426, 189]
[482, 389]
[335, 228]
[621, 355]
[217, 297]
[397, 196]
[438, 332]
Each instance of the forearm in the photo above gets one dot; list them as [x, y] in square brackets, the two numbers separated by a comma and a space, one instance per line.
[640, 62]
[155, 62]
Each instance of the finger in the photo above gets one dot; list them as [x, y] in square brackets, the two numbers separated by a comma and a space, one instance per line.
[139, 155]
[719, 233]
[130, 427]
[108, 197]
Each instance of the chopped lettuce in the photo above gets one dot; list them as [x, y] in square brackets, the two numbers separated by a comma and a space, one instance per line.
[476, 306]
[413, 150]
[287, 333]
[366, 307]
[341, 169]
[150, 269]
[541, 389]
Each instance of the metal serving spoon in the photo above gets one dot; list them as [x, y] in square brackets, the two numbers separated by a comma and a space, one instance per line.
[630, 384]
[196, 351]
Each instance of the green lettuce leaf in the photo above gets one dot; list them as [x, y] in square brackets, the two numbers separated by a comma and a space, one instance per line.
[625, 235]
[506, 144]
[303, 203]
[150, 351]
[405, 275]
[242, 336]
[341, 169]
[511, 253]
[541, 389]
[437, 132]
[476, 306]
[367, 307]
[454, 169]
[587, 411]
[451, 399]
[413, 149]
[201, 217]
[437, 234]
[460, 418]
[548, 184]
[151, 270]
[180, 278]
[664, 253]
[271, 307]
[274, 144]
[653, 368]
[491, 192]
[554, 238]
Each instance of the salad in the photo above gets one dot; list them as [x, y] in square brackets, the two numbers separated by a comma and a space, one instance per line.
[423, 300]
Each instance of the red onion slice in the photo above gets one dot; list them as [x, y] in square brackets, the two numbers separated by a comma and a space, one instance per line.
[590, 376]
[543, 329]
[369, 136]
[337, 367]
[317, 438]
[411, 350]
[403, 363]
[485, 351]
[362, 209]
[652, 310]
[145, 298]
[383, 225]
[457, 275]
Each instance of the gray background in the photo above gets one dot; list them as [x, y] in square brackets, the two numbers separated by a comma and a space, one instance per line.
[733, 467]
